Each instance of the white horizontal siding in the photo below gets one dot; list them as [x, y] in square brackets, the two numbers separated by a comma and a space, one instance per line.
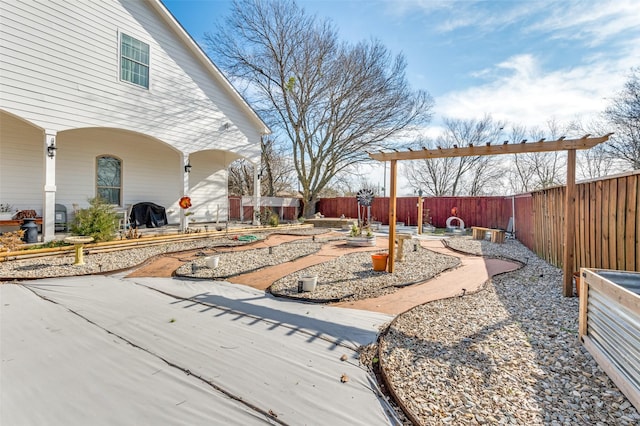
[151, 171]
[208, 187]
[21, 165]
[60, 70]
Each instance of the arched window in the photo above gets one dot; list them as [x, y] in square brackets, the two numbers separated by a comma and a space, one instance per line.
[109, 179]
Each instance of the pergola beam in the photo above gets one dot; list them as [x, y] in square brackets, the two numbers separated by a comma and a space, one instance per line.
[504, 148]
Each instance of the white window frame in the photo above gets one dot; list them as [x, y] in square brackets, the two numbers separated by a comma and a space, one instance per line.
[119, 187]
[121, 58]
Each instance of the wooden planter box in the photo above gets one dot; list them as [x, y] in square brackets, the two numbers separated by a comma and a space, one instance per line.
[610, 325]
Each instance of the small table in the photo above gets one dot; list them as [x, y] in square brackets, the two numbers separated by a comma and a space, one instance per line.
[78, 243]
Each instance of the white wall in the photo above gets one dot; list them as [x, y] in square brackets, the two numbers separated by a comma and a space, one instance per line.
[60, 70]
[151, 171]
[208, 187]
[21, 164]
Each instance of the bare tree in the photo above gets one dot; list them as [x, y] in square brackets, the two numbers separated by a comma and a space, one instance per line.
[240, 177]
[537, 170]
[624, 115]
[597, 161]
[457, 175]
[276, 174]
[332, 101]
[277, 170]
[434, 176]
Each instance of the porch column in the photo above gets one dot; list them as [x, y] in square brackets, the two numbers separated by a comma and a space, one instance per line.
[256, 194]
[49, 201]
[186, 169]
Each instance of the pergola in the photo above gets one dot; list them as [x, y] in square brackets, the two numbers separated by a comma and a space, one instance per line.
[562, 144]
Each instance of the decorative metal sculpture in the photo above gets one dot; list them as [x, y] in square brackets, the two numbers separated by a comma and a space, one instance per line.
[365, 199]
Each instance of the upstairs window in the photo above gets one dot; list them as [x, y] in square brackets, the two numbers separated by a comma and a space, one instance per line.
[134, 61]
[109, 179]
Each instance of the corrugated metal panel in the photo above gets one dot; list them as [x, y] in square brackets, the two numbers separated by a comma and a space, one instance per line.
[616, 331]
[613, 325]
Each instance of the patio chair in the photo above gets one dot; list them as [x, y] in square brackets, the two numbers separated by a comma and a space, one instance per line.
[124, 218]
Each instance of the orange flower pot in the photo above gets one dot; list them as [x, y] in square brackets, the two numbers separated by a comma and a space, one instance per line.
[379, 261]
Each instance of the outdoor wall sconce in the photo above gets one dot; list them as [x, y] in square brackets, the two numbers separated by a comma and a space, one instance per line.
[51, 149]
[187, 167]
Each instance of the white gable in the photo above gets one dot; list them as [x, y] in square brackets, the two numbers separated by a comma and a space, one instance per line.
[60, 70]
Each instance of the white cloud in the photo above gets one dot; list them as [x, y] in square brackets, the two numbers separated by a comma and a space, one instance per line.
[594, 22]
[522, 93]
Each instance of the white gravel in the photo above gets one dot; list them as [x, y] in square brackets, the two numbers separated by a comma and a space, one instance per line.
[237, 262]
[508, 354]
[351, 277]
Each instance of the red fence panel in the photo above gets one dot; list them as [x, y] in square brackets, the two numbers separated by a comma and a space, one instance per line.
[524, 219]
[234, 208]
[490, 212]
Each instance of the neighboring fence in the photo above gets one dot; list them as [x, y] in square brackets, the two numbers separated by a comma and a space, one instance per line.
[241, 208]
[607, 218]
[607, 229]
[490, 212]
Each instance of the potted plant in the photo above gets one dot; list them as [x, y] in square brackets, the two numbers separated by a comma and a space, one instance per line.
[361, 237]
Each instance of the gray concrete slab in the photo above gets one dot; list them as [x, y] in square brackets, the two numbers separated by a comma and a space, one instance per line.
[94, 344]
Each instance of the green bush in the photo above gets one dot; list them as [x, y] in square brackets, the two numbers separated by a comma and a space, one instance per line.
[274, 220]
[99, 221]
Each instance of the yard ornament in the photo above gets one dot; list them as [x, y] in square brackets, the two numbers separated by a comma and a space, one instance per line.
[454, 211]
[185, 202]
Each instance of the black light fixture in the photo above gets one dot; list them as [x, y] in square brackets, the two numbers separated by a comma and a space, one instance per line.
[51, 149]
[419, 192]
[187, 167]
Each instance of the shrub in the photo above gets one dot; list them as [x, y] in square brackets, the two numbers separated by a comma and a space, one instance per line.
[99, 221]
[273, 220]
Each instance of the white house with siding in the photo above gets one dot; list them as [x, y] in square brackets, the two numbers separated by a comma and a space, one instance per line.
[127, 99]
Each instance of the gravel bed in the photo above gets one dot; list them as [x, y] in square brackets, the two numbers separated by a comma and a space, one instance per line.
[106, 261]
[508, 354]
[238, 262]
[351, 277]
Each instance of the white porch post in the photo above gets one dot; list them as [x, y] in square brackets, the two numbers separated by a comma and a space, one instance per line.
[184, 220]
[256, 193]
[49, 201]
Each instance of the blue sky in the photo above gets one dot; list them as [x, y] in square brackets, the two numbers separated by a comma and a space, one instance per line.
[525, 62]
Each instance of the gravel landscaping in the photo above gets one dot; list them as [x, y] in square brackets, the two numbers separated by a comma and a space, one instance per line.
[238, 262]
[351, 277]
[508, 354]
[99, 261]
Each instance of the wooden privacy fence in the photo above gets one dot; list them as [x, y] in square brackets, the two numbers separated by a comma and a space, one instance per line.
[241, 208]
[607, 223]
[490, 212]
